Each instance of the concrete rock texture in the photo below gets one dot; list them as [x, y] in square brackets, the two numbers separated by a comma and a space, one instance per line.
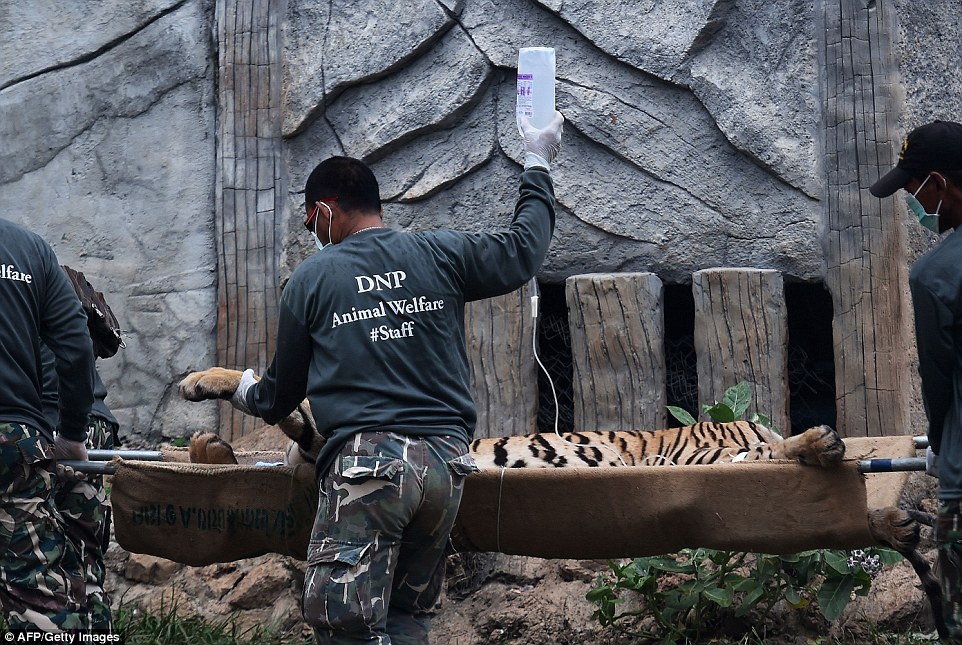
[106, 116]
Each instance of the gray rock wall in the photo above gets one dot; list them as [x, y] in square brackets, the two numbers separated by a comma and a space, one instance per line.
[692, 141]
[106, 118]
[930, 81]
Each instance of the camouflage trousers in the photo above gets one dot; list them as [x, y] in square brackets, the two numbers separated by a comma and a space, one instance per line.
[948, 538]
[377, 553]
[86, 514]
[41, 580]
[53, 532]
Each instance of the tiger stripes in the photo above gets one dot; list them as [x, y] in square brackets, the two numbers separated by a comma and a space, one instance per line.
[701, 443]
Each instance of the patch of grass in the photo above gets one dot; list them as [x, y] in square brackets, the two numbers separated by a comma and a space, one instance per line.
[872, 638]
[881, 638]
[167, 627]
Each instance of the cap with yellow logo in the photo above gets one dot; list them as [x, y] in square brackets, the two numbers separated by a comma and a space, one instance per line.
[934, 146]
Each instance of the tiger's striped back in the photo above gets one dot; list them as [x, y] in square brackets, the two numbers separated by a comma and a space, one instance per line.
[702, 443]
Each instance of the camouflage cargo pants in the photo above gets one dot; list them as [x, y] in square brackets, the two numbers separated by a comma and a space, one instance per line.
[377, 552]
[41, 580]
[86, 513]
[948, 538]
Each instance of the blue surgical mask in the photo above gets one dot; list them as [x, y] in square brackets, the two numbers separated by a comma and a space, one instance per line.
[926, 219]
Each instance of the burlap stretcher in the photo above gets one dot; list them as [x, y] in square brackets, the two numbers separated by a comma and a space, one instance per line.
[201, 514]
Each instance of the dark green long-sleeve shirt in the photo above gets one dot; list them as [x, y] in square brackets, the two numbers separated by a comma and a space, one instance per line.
[38, 305]
[371, 329]
[51, 392]
[936, 285]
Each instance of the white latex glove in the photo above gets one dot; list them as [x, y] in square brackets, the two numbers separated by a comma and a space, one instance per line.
[239, 399]
[64, 448]
[931, 463]
[542, 146]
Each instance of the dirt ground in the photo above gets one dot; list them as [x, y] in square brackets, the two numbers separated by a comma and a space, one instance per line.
[511, 599]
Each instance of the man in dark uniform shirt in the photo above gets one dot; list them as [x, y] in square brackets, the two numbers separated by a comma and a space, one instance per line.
[371, 331]
[41, 576]
[929, 169]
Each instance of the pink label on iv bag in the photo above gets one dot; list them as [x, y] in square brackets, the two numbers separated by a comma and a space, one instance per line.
[525, 106]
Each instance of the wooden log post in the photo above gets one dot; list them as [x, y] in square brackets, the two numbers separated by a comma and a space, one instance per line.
[499, 334]
[864, 240]
[249, 202]
[617, 350]
[741, 334]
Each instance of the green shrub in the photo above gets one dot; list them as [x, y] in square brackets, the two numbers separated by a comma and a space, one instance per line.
[695, 589]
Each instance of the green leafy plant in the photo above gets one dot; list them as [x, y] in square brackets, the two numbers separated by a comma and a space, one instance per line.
[733, 406]
[686, 593]
[698, 590]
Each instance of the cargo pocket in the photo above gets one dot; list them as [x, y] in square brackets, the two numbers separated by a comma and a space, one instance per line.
[34, 449]
[18, 445]
[20, 449]
[365, 481]
[358, 467]
[463, 465]
[337, 589]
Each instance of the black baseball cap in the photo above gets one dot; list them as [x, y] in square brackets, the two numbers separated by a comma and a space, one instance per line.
[933, 146]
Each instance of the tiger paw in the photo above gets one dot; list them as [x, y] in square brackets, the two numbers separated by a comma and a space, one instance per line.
[213, 383]
[894, 528]
[208, 448]
[822, 446]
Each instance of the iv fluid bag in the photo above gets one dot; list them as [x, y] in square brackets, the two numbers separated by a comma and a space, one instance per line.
[536, 85]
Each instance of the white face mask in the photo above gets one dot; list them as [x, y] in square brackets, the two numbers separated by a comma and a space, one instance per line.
[330, 220]
[926, 219]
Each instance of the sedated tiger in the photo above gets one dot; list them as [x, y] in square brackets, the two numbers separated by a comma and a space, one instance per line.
[702, 443]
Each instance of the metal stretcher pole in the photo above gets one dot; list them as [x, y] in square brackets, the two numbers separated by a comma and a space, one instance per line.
[897, 464]
[92, 467]
[97, 460]
[133, 455]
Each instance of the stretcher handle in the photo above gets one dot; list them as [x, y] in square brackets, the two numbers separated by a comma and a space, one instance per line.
[91, 467]
[897, 464]
[133, 455]
[98, 458]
